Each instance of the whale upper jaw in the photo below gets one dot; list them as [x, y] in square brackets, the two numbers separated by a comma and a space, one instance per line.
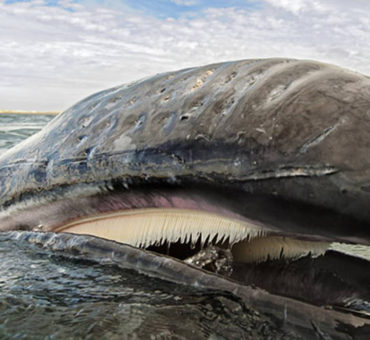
[150, 216]
[285, 141]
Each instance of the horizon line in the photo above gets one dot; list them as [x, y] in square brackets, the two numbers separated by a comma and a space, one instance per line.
[35, 112]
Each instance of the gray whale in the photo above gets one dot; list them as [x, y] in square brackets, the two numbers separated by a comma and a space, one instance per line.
[280, 145]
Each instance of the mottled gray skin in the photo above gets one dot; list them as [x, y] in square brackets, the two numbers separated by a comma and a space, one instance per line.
[290, 131]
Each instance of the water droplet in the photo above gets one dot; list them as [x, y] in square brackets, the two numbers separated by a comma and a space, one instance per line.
[39, 227]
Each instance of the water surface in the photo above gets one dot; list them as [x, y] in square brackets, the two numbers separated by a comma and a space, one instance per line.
[16, 127]
[51, 294]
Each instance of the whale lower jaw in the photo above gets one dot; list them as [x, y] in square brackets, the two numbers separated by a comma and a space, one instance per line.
[240, 249]
[155, 228]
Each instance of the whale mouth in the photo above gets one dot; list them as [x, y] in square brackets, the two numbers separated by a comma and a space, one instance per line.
[302, 268]
[206, 230]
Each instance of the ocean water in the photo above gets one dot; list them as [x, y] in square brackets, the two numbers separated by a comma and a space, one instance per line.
[16, 127]
[46, 293]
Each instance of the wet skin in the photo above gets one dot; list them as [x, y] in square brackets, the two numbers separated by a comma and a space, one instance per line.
[279, 144]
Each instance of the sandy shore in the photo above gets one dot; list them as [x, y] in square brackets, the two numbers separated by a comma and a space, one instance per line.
[20, 112]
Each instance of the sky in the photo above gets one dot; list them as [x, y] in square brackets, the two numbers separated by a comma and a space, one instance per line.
[54, 53]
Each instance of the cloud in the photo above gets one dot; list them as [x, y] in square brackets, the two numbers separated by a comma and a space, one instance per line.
[185, 2]
[52, 56]
[297, 6]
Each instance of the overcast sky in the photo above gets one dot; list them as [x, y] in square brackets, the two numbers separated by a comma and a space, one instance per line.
[54, 53]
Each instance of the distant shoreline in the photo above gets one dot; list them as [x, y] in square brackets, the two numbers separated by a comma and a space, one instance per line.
[20, 112]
